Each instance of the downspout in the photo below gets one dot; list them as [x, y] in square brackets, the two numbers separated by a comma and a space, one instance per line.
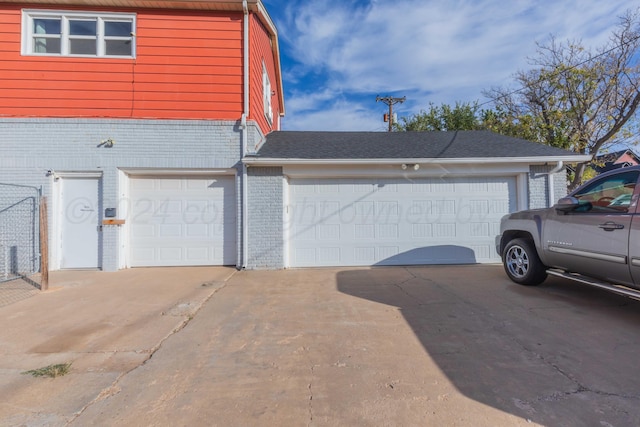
[243, 127]
[550, 183]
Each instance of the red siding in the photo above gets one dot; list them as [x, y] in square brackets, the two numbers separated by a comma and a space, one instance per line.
[261, 52]
[188, 65]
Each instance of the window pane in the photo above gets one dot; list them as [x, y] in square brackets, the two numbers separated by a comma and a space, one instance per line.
[82, 47]
[118, 47]
[46, 26]
[41, 45]
[82, 28]
[117, 29]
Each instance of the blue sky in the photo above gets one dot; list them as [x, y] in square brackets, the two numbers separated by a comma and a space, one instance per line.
[338, 55]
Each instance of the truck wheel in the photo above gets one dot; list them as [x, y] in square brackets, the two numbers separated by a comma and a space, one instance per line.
[522, 264]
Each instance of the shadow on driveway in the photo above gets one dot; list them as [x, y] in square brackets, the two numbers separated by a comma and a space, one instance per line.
[556, 354]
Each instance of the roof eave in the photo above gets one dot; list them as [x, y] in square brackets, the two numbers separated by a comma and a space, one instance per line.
[254, 161]
[234, 5]
[265, 18]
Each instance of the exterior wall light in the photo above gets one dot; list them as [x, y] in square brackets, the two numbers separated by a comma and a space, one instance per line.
[413, 166]
[107, 143]
[52, 173]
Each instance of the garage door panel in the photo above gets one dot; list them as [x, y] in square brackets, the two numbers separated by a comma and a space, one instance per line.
[385, 252]
[364, 231]
[168, 230]
[397, 221]
[482, 251]
[142, 253]
[168, 184]
[479, 229]
[196, 253]
[421, 230]
[329, 232]
[168, 254]
[182, 221]
[197, 231]
[142, 231]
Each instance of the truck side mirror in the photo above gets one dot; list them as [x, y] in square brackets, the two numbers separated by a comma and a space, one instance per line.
[570, 204]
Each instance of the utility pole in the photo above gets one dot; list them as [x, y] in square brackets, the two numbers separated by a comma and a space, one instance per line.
[390, 101]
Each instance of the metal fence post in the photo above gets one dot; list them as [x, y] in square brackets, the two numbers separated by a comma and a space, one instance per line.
[44, 246]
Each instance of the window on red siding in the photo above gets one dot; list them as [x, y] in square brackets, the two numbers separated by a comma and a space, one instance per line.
[266, 94]
[78, 34]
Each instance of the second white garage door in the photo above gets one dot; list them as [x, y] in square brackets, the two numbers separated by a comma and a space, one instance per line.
[353, 222]
[182, 221]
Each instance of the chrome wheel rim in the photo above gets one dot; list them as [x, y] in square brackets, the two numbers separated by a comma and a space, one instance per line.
[517, 261]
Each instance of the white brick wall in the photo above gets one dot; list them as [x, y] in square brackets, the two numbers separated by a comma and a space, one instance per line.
[265, 199]
[30, 147]
[560, 185]
[539, 185]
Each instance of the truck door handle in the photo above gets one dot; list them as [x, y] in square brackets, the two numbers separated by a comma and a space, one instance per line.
[610, 226]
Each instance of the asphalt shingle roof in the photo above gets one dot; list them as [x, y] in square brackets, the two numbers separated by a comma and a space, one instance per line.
[400, 145]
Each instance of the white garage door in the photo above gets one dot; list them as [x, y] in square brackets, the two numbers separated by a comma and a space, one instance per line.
[352, 222]
[180, 221]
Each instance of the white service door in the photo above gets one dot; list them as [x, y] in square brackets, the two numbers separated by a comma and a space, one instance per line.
[362, 222]
[182, 221]
[80, 223]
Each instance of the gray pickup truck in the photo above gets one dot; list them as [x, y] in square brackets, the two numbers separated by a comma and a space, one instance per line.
[591, 236]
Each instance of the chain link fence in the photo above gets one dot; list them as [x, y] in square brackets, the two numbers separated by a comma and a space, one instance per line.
[19, 236]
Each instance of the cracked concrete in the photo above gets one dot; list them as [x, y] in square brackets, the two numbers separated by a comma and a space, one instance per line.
[455, 345]
[106, 324]
[311, 399]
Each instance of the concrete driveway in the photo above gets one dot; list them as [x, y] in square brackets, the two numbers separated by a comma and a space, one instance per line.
[419, 346]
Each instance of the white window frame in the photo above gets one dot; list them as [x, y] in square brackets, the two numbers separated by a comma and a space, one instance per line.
[28, 35]
[266, 94]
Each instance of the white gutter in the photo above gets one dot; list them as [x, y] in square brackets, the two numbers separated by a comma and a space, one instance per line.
[470, 160]
[550, 183]
[558, 167]
[243, 125]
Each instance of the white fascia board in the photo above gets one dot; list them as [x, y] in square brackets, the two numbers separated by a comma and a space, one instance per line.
[425, 170]
[481, 160]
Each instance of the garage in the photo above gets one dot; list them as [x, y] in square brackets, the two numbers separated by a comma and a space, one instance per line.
[182, 220]
[392, 198]
[387, 221]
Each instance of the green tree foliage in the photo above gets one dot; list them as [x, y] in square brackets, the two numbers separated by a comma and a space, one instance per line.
[467, 116]
[574, 98]
[463, 116]
[502, 122]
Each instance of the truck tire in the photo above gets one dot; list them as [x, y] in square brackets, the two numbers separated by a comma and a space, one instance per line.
[522, 264]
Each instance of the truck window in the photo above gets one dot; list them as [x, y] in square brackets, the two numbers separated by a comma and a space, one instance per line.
[611, 194]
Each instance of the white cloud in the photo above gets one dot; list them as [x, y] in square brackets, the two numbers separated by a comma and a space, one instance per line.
[306, 101]
[343, 118]
[439, 51]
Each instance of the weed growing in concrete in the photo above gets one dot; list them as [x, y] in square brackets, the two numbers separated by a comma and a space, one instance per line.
[51, 371]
